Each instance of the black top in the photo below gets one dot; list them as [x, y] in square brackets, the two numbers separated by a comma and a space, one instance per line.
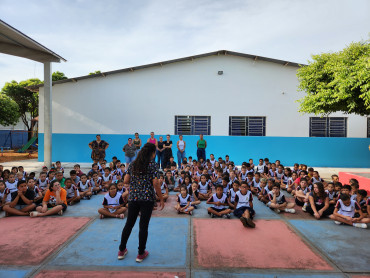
[160, 145]
[30, 195]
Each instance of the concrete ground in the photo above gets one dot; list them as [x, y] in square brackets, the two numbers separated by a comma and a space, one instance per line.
[79, 244]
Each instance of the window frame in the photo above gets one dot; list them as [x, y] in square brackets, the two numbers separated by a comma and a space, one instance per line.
[328, 129]
[247, 127]
[193, 128]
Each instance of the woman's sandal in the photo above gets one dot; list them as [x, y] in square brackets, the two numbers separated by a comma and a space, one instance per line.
[120, 216]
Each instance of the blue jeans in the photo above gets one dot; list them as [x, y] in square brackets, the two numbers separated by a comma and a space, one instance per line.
[160, 159]
[180, 158]
[201, 153]
[129, 159]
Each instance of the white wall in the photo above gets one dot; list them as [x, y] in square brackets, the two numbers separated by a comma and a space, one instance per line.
[148, 99]
[19, 126]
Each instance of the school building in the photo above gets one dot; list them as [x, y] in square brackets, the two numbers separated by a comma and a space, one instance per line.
[245, 105]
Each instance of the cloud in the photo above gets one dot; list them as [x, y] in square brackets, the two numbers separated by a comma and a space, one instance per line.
[109, 35]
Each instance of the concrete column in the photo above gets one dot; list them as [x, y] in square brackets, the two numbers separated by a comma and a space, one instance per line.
[48, 131]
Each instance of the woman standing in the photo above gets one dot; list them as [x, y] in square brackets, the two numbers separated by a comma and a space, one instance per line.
[180, 151]
[137, 143]
[167, 153]
[142, 176]
[129, 149]
[201, 145]
[98, 147]
[152, 139]
[160, 152]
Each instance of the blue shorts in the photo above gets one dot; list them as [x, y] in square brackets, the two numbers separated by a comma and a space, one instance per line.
[129, 159]
[239, 212]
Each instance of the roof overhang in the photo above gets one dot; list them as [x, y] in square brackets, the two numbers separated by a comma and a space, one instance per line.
[14, 42]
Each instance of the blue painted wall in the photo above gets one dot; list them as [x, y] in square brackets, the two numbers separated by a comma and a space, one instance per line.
[313, 151]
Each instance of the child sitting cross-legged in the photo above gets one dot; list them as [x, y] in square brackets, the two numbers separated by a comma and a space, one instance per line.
[277, 200]
[345, 211]
[113, 204]
[220, 204]
[244, 205]
[84, 187]
[194, 194]
[21, 201]
[73, 195]
[183, 202]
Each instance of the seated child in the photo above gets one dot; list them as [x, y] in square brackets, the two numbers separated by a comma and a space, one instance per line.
[354, 189]
[55, 201]
[21, 201]
[333, 197]
[164, 189]
[84, 187]
[345, 210]
[219, 202]
[301, 194]
[183, 202]
[244, 206]
[205, 191]
[170, 182]
[77, 168]
[11, 184]
[277, 200]
[187, 182]
[73, 195]
[43, 183]
[361, 200]
[225, 184]
[194, 195]
[5, 196]
[96, 183]
[75, 179]
[232, 194]
[262, 186]
[107, 179]
[266, 190]
[318, 202]
[38, 195]
[59, 167]
[113, 204]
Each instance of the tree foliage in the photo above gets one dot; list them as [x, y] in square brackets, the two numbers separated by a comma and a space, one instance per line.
[337, 81]
[95, 72]
[26, 100]
[57, 75]
[9, 114]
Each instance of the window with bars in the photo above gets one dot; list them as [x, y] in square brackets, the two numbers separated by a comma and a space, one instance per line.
[192, 125]
[328, 127]
[368, 127]
[247, 126]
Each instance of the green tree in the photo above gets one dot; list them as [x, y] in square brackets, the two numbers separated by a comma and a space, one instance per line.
[337, 81]
[95, 72]
[9, 114]
[57, 75]
[26, 100]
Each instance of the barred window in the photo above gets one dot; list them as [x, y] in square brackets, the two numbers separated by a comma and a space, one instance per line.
[368, 127]
[328, 127]
[192, 125]
[247, 126]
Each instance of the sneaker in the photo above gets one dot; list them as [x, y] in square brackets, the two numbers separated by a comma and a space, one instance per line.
[228, 216]
[122, 254]
[140, 258]
[101, 216]
[190, 213]
[195, 207]
[304, 207]
[88, 197]
[277, 210]
[244, 221]
[224, 216]
[360, 225]
[338, 223]
[250, 223]
[212, 215]
[290, 210]
[60, 212]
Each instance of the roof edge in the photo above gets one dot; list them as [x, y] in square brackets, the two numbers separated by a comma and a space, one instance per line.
[160, 64]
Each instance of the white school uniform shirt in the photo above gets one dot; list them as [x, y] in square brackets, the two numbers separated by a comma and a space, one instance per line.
[232, 194]
[99, 181]
[257, 184]
[215, 199]
[243, 200]
[279, 175]
[260, 168]
[243, 177]
[163, 188]
[11, 186]
[272, 173]
[313, 180]
[347, 210]
[8, 197]
[331, 195]
[71, 191]
[203, 188]
[42, 184]
[108, 178]
[84, 187]
[112, 201]
[213, 162]
[183, 201]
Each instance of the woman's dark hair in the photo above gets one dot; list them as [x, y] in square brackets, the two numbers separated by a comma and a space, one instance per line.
[321, 193]
[52, 185]
[144, 157]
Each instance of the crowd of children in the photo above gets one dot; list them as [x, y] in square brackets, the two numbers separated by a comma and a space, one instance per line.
[219, 183]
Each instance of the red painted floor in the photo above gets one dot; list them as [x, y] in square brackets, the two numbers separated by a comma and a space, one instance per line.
[226, 243]
[111, 274]
[28, 241]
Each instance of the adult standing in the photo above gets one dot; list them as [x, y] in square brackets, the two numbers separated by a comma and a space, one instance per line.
[160, 153]
[129, 150]
[167, 153]
[98, 147]
[137, 143]
[142, 177]
[201, 145]
[180, 151]
[151, 139]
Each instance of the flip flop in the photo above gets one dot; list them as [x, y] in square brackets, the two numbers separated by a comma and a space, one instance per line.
[34, 213]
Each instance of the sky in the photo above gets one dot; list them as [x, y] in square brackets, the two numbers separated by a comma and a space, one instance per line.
[114, 34]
